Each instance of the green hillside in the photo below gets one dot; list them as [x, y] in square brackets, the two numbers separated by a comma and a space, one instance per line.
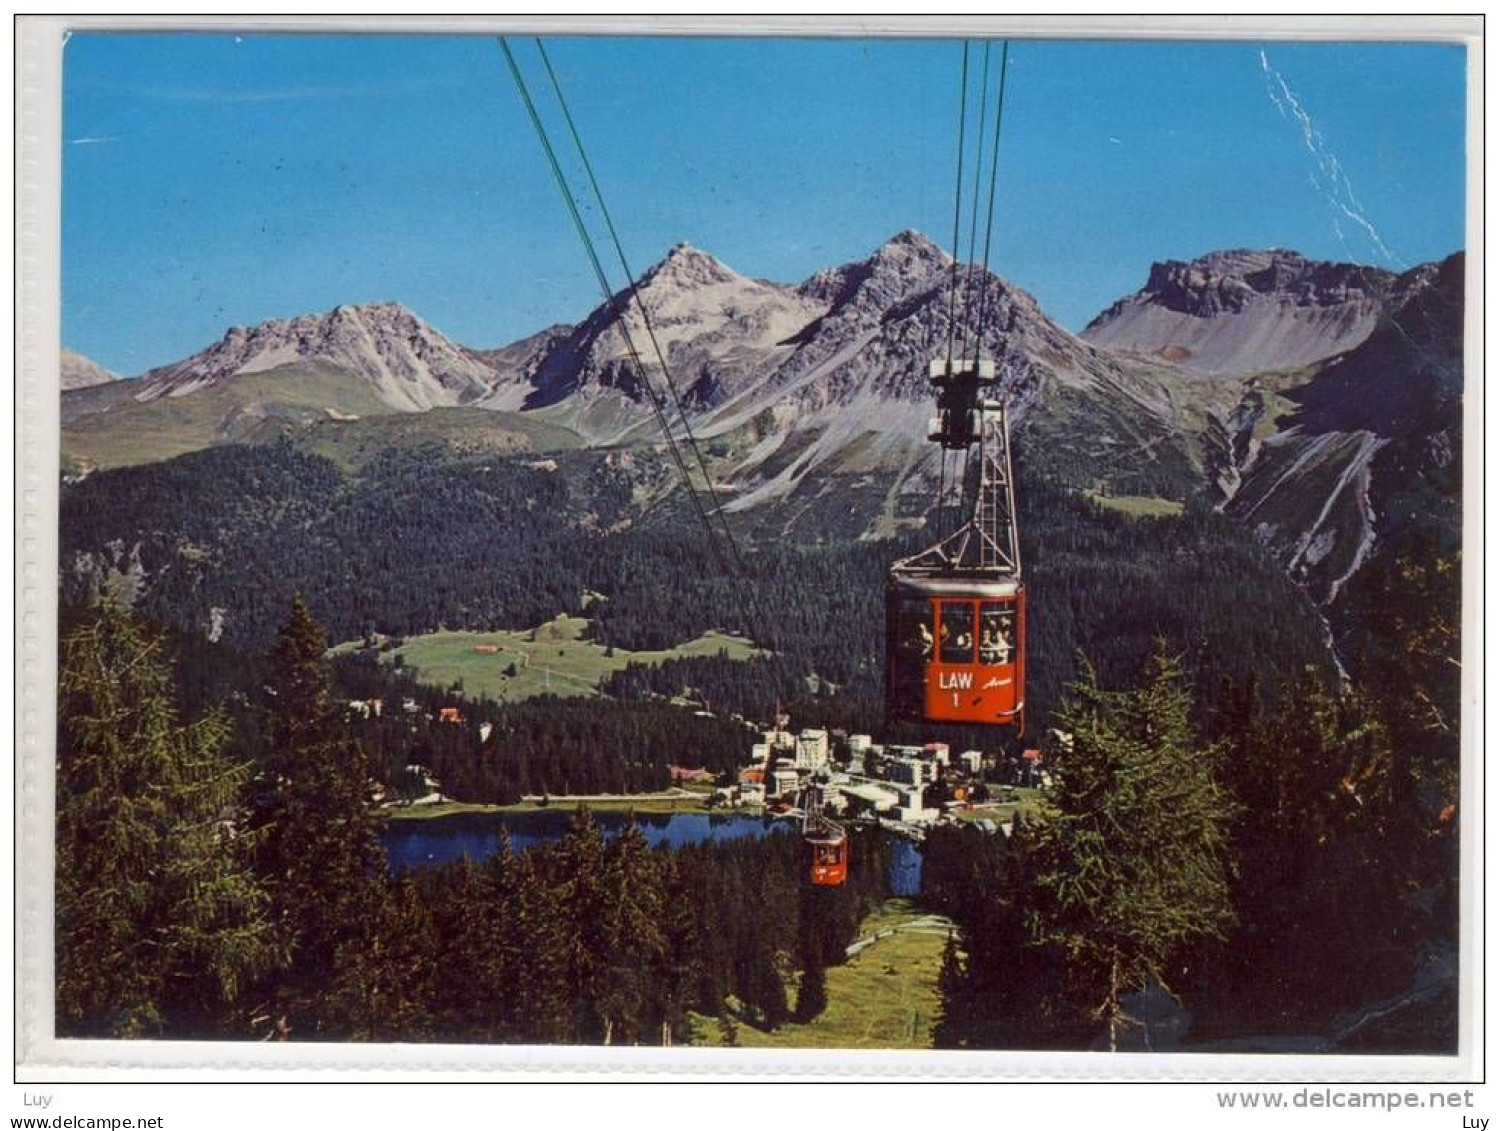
[354, 443]
[321, 408]
[130, 432]
[553, 659]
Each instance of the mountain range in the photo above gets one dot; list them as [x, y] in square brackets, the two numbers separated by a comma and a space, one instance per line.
[1318, 404]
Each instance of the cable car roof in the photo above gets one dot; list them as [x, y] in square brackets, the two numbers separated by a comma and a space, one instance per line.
[955, 585]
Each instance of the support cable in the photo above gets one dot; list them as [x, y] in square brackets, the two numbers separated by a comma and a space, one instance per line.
[737, 592]
[999, 114]
[645, 317]
[609, 300]
[973, 223]
[941, 489]
[957, 211]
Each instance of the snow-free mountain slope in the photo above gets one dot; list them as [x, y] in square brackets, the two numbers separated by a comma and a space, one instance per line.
[408, 365]
[1241, 311]
[848, 409]
[79, 372]
[718, 330]
[126, 431]
[1275, 385]
[1367, 446]
[515, 365]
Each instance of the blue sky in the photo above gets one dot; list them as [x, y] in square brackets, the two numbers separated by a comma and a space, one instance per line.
[214, 180]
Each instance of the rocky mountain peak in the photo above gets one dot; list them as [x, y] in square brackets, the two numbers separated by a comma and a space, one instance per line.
[79, 372]
[909, 244]
[907, 261]
[717, 329]
[1240, 310]
[1234, 279]
[364, 310]
[686, 266]
[411, 365]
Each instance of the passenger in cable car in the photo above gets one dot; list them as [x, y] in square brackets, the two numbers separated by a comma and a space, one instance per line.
[923, 639]
[955, 631]
[997, 642]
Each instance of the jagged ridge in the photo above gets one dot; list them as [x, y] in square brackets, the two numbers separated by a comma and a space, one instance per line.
[1240, 311]
[410, 365]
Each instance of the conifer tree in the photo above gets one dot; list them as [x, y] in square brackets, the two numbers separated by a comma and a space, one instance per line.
[954, 1024]
[820, 911]
[160, 922]
[812, 992]
[688, 965]
[634, 967]
[579, 864]
[1326, 871]
[767, 939]
[535, 956]
[468, 935]
[1132, 854]
[388, 993]
[320, 853]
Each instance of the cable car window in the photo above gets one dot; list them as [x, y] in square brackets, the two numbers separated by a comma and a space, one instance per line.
[914, 630]
[997, 633]
[957, 632]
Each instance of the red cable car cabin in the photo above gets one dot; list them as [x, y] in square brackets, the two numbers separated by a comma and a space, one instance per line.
[955, 649]
[826, 853]
[827, 863]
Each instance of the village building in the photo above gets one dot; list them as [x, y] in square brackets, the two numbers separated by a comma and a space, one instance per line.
[784, 780]
[690, 774]
[877, 797]
[906, 771]
[812, 749]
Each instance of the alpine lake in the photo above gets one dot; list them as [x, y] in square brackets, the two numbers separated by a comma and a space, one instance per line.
[434, 841]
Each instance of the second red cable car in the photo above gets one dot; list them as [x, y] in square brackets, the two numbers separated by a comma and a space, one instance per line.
[827, 853]
[825, 841]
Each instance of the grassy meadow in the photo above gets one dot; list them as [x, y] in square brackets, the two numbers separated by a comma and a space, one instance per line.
[552, 659]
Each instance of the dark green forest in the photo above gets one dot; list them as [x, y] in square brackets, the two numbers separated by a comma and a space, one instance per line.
[1336, 818]
[540, 746]
[427, 539]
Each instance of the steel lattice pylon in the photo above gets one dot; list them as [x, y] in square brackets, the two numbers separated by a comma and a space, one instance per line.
[988, 543]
